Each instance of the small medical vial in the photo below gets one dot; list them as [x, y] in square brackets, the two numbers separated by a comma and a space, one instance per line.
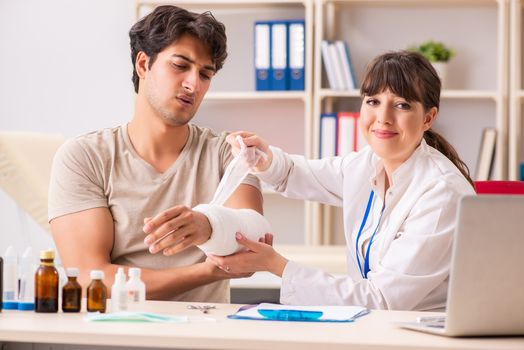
[71, 292]
[46, 283]
[96, 293]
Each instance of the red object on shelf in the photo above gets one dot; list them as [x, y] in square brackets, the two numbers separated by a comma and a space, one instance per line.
[499, 187]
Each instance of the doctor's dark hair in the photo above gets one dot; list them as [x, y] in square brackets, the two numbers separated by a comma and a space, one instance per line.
[166, 24]
[411, 76]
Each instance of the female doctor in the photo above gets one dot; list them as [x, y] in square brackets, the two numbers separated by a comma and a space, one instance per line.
[399, 198]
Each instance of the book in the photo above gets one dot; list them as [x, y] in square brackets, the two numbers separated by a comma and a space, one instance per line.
[328, 65]
[337, 67]
[486, 154]
[347, 66]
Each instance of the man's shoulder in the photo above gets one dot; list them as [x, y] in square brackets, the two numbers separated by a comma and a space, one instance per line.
[96, 142]
[208, 138]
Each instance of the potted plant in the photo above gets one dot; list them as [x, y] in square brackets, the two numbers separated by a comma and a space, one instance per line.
[437, 53]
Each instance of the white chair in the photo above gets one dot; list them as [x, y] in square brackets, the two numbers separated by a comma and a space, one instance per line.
[25, 167]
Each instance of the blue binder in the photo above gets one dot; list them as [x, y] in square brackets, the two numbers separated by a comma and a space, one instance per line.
[279, 55]
[297, 49]
[262, 40]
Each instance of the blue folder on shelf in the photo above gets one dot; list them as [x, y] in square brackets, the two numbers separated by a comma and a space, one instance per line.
[263, 55]
[279, 55]
[277, 312]
[297, 49]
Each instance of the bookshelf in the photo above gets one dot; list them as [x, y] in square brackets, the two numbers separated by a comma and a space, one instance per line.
[484, 87]
[232, 103]
[516, 94]
[475, 95]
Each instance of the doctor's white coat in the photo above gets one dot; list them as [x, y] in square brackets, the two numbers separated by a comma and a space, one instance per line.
[411, 251]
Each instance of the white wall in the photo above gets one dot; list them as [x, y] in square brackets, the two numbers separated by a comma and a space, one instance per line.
[65, 69]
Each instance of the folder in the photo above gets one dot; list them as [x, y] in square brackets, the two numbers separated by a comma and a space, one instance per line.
[328, 135]
[297, 44]
[262, 55]
[349, 138]
[279, 56]
[277, 312]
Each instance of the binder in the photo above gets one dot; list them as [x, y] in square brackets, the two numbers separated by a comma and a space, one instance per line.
[279, 57]
[297, 44]
[349, 136]
[262, 55]
[328, 135]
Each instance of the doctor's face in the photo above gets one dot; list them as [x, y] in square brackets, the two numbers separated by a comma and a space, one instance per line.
[178, 79]
[393, 126]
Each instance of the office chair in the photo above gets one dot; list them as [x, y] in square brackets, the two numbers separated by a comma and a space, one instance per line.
[500, 187]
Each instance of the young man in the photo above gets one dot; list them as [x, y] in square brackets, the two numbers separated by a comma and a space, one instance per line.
[115, 192]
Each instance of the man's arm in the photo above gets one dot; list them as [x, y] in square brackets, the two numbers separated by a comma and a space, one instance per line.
[179, 227]
[85, 240]
[246, 196]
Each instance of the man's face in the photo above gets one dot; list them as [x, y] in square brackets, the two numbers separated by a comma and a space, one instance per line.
[177, 81]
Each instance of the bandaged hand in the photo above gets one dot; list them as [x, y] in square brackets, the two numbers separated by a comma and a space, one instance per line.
[176, 229]
[250, 139]
[225, 223]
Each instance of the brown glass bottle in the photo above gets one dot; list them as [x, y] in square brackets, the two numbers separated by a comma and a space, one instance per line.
[46, 283]
[71, 292]
[96, 292]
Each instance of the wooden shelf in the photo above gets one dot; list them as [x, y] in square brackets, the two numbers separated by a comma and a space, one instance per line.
[468, 94]
[222, 3]
[256, 95]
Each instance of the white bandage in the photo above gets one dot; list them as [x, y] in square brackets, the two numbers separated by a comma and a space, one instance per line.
[226, 222]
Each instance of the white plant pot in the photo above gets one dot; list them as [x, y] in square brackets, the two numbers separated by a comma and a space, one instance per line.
[442, 69]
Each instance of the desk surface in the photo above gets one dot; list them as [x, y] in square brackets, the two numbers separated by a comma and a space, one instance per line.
[374, 331]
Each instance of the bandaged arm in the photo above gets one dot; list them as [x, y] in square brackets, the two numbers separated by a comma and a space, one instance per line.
[226, 222]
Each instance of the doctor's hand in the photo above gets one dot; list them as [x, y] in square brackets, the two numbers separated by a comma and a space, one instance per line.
[176, 229]
[252, 140]
[260, 256]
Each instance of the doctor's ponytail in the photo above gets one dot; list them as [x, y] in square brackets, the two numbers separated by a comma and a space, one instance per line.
[437, 141]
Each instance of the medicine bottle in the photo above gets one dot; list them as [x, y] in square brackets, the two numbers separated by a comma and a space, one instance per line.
[46, 283]
[10, 279]
[136, 290]
[96, 292]
[119, 292]
[71, 292]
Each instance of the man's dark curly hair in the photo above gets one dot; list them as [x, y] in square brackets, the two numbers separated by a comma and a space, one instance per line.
[166, 24]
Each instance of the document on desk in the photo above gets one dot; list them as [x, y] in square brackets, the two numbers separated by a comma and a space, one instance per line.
[277, 312]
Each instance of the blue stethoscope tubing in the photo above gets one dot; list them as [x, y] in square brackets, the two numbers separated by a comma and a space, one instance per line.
[364, 272]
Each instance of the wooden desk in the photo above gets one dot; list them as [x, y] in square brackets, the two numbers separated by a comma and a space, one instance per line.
[374, 331]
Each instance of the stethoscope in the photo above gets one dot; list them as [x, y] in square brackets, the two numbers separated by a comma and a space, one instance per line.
[365, 270]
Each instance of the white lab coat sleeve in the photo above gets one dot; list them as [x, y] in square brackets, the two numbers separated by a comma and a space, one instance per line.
[414, 265]
[296, 177]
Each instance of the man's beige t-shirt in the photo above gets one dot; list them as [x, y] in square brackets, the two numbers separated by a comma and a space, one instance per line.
[102, 169]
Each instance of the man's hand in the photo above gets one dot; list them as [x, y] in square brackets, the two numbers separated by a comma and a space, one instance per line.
[176, 229]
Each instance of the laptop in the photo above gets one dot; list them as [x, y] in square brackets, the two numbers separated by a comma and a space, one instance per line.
[486, 286]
